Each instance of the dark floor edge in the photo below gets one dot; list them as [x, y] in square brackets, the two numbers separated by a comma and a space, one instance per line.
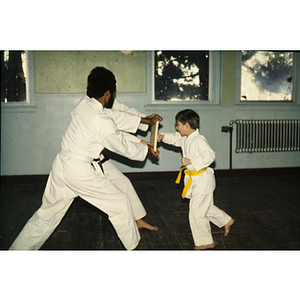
[153, 176]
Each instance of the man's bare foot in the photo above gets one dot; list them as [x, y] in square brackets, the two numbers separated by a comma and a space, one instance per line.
[227, 226]
[142, 224]
[204, 247]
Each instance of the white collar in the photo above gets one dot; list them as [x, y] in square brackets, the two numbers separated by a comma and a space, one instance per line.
[196, 132]
[95, 104]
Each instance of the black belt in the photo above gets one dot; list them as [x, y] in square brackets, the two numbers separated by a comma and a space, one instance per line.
[101, 162]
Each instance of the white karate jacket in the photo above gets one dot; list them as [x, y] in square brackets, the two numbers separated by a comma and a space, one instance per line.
[196, 148]
[93, 128]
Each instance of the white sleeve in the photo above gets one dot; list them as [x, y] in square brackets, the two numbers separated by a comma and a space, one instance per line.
[143, 127]
[174, 139]
[111, 138]
[131, 137]
[124, 121]
[122, 107]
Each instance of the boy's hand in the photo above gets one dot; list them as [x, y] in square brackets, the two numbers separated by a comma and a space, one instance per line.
[152, 152]
[185, 161]
[160, 137]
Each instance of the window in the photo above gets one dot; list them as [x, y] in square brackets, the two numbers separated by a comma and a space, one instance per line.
[266, 76]
[14, 70]
[181, 76]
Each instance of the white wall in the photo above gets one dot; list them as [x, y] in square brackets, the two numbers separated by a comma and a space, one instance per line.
[30, 137]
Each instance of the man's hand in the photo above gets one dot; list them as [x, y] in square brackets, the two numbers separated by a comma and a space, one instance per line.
[152, 152]
[144, 142]
[150, 120]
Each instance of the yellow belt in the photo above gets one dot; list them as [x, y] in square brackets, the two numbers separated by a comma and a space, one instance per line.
[188, 184]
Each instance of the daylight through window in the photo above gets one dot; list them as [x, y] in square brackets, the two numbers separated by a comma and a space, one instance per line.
[266, 76]
[181, 75]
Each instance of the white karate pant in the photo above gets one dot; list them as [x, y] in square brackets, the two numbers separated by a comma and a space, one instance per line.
[69, 178]
[202, 211]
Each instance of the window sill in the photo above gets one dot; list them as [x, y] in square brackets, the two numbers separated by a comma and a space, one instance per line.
[266, 102]
[171, 105]
[263, 105]
[18, 108]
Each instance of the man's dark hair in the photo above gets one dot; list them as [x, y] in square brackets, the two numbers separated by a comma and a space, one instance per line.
[189, 116]
[100, 80]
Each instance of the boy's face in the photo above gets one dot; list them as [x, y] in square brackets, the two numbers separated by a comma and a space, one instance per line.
[182, 129]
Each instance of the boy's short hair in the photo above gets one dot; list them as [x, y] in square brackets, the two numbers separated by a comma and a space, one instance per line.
[100, 80]
[189, 116]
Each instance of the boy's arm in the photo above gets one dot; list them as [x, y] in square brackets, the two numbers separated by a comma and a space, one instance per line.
[174, 139]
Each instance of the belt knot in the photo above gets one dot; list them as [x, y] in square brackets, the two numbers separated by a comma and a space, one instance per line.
[189, 182]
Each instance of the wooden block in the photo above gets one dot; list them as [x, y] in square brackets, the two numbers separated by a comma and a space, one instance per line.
[153, 137]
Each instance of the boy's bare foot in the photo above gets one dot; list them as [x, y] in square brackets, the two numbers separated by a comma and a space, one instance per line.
[204, 247]
[142, 224]
[227, 226]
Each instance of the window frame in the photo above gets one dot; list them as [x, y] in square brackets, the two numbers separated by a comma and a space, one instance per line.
[29, 103]
[296, 80]
[214, 89]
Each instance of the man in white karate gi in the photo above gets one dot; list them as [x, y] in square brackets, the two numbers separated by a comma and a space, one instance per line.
[94, 125]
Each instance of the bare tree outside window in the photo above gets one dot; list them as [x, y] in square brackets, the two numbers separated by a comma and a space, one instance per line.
[266, 76]
[13, 76]
[181, 75]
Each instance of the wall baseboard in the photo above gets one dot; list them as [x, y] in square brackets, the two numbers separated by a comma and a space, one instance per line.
[236, 173]
[153, 176]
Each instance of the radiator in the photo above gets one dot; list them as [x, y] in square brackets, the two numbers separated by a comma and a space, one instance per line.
[267, 135]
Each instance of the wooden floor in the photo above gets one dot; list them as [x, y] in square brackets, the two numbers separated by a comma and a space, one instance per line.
[266, 212]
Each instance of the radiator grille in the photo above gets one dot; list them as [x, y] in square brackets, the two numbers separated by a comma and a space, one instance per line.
[267, 135]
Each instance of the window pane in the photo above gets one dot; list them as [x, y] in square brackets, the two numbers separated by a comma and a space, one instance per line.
[266, 76]
[181, 75]
[13, 76]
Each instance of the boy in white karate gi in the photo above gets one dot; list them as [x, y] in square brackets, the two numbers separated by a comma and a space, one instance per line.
[94, 126]
[199, 178]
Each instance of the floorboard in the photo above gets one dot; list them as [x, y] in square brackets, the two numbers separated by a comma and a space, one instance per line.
[266, 212]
